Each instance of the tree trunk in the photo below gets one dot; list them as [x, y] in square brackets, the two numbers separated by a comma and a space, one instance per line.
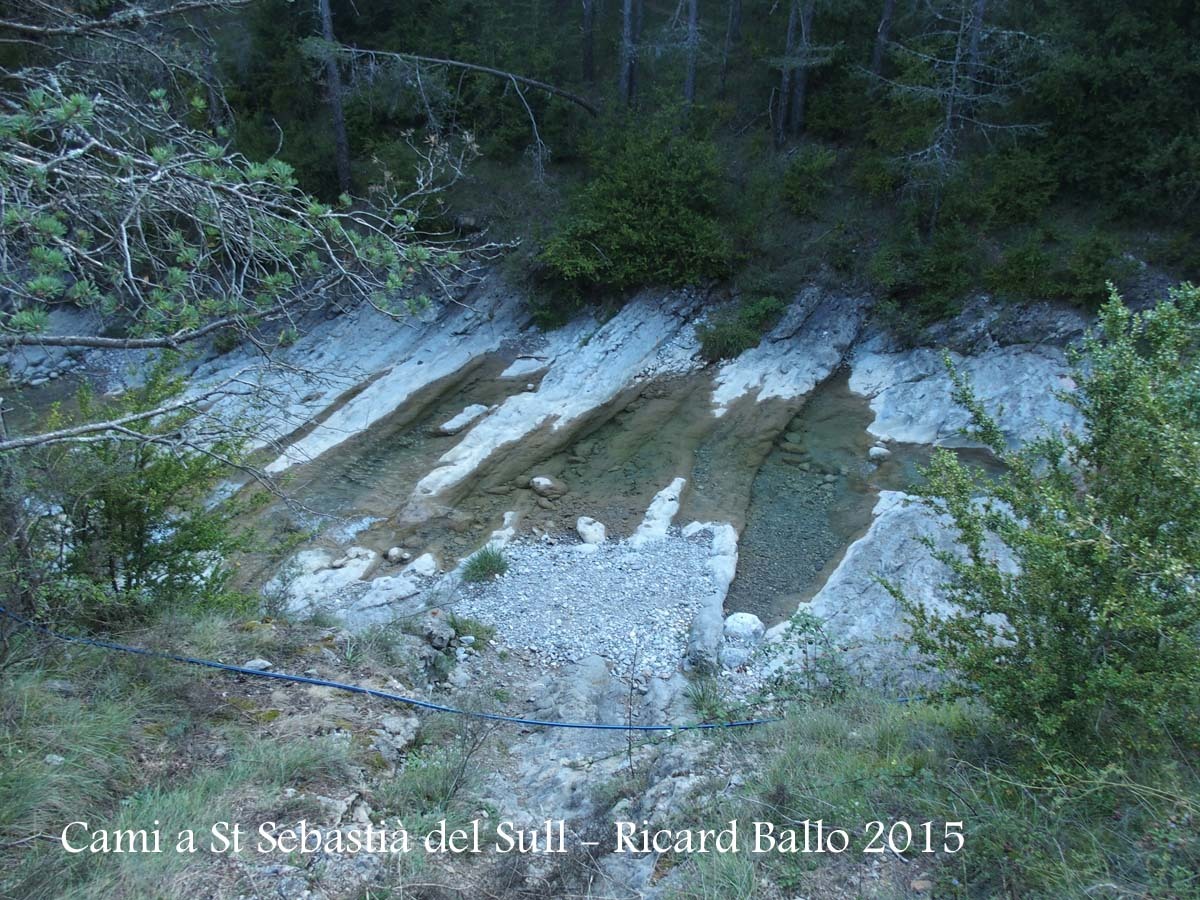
[783, 103]
[639, 12]
[589, 41]
[975, 30]
[333, 79]
[882, 35]
[625, 86]
[693, 51]
[733, 34]
[800, 77]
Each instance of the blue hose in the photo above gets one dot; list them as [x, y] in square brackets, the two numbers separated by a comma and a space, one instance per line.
[370, 692]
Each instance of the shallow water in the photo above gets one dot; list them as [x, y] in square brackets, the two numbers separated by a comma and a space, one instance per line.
[813, 496]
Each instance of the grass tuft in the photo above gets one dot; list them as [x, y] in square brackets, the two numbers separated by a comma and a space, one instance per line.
[485, 564]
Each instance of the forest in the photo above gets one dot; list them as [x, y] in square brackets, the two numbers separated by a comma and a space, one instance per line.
[929, 149]
[454, 415]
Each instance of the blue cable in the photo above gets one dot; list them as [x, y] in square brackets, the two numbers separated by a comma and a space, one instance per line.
[370, 692]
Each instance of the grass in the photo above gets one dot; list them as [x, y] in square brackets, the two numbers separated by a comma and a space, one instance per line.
[485, 564]
[143, 740]
[464, 625]
[707, 699]
[125, 731]
[1132, 829]
[731, 332]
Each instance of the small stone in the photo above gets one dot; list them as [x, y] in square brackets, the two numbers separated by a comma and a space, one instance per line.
[921, 885]
[878, 454]
[545, 486]
[398, 555]
[53, 759]
[424, 565]
[590, 531]
[258, 665]
[467, 640]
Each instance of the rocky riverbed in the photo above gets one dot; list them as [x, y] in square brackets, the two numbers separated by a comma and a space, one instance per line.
[411, 447]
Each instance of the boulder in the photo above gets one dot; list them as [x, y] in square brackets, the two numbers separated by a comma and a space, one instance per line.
[591, 531]
[878, 454]
[437, 632]
[401, 729]
[545, 486]
[743, 632]
[424, 565]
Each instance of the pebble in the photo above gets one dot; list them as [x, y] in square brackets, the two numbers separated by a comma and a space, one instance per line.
[633, 607]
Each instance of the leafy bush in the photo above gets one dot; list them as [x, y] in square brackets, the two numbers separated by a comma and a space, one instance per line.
[1092, 261]
[731, 333]
[1035, 835]
[649, 216]
[1090, 647]
[926, 280]
[485, 564]
[807, 179]
[1022, 184]
[1026, 270]
[131, 530]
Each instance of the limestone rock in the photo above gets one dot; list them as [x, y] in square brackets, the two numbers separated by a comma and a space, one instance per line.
[437, 632]
[545, 486]
[743, 632]
[463, 419]
[425, 566]
[591, 531]
[401, 730]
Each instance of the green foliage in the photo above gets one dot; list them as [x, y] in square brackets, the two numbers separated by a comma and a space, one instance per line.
[730, 332]
[925, 280]
[1120, 104]
[463, 625]
[485, 565]
[650, 216]
[1090, 647]
[1021, 185]
[1092, 261]
[864, 757]
[133, 533]
[1038, 268]
[807, 179]
[1026, 270]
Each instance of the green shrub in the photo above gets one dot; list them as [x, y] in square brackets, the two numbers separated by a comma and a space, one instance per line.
[1025, 271]
[865, 756]
[650, 215]
[732, 332]
[485, 564]
[1021, 185]
[138, 533]
[876, 174]
[1090, 647]
[1092, 261]
[807, 179]
[926, 280]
